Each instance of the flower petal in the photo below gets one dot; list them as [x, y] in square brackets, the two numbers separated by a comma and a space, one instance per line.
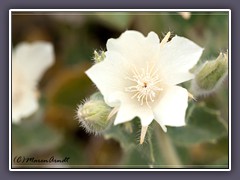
[153, 38]
[127, 112]
[108, 75]
[177, 57]
[125, 41]
[24, 106]
[178, 77]
[34, 58]
[172, 107]
[134, 47]
[129, 109]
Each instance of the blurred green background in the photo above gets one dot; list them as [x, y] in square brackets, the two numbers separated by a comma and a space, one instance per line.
[75, 35]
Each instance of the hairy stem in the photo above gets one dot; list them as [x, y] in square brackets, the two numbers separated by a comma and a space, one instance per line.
[167, 148]
[151, 149]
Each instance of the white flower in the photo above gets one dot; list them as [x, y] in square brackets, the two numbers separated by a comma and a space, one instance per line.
[29, 62]
[139, 77]
[185, 15]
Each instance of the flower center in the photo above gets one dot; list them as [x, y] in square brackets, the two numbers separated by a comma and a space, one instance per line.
[146, 84]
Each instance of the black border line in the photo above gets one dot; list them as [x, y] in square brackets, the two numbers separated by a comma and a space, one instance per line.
[117, 167]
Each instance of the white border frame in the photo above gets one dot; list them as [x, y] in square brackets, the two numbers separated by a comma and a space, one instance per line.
[115, 10]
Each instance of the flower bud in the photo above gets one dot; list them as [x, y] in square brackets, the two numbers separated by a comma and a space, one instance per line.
[98, 56]
[210, 76]
[93, 114]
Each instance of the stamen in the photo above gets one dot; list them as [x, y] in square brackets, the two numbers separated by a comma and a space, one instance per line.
[146, 85]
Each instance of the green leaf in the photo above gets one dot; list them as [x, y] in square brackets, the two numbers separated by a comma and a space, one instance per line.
[146, 155]
[126, 138]
[33, 137]
[118, 20]
[203, 125]
[134, 159]
[75, 150]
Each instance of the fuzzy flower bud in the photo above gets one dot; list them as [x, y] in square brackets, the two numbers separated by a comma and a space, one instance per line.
[98, 56]
[93, 114]
[210, 76]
